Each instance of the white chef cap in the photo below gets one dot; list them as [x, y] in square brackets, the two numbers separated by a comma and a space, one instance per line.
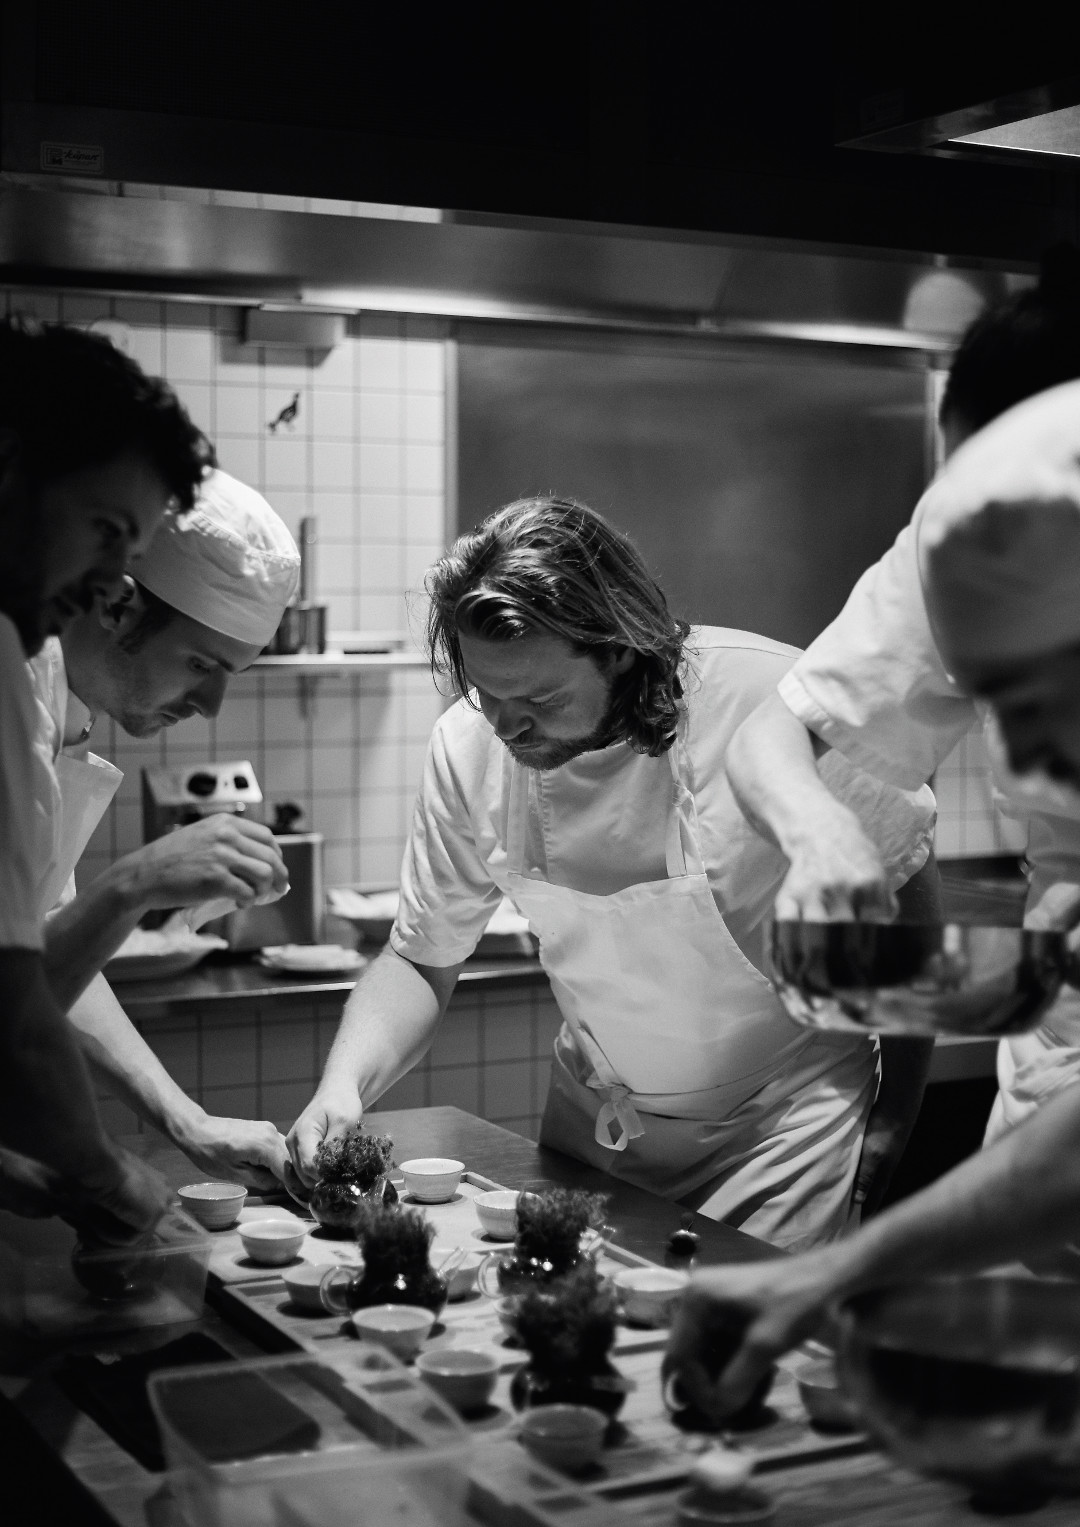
[230, 563]
[999, 542]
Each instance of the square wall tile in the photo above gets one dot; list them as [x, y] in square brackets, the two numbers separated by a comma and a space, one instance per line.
[287, 1051]
[382, 515]
[241, 458]
[238, 410]
[188, 353]
[381, 416]
[381, 363]
[380, 467]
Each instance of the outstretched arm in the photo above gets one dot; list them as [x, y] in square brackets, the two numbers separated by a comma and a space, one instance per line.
[251, 1150]
[388, 1023]
[834, 869]
[222, 857]
[1013, 1200]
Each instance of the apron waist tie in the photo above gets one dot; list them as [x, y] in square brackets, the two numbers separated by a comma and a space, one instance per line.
[616, 1108]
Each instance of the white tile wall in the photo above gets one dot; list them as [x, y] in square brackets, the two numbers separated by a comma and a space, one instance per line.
[968, 821]
[364, 455]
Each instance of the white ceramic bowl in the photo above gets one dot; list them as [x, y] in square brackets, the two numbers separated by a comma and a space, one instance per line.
[565, 1436]
[432, 1179]
[302, 1284]
[400, 1327]
[461, 1279]
[216, 1205]
[497, 1213]
[273, 1241]
[648, 1295]
[462, 1376]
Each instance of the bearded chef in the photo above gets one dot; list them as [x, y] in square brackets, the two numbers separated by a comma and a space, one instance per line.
[998, 549]
[202, 603]
[581, 774]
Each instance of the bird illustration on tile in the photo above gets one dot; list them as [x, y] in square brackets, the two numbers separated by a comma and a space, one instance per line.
[287, 415]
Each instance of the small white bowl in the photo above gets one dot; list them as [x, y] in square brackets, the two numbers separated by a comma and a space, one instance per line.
[216, 1205]
[464, 1377]
[432, 1179]
[400, 1327]
[461, 1280]
[649, 1294]
[302, 1284]
[497, 1213]
[568, 1437]
[273, 1241]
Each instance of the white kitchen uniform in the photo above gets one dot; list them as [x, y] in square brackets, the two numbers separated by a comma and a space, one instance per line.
[29, 797]
[677, 1067]
[873, 686]
[84, 783]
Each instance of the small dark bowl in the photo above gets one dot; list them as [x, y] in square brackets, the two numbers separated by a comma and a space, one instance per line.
[971, 1379]
[903, 978]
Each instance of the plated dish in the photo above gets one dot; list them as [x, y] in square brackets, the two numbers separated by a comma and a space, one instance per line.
[312, 959]
[148, 954]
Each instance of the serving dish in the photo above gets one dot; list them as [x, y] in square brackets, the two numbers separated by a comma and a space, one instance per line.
[215, 1205]
[311, 959]
[904, 978]
[974, 1379]
[151, 954]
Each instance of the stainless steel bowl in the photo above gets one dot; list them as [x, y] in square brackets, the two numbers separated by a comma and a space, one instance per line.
[971, 1379]
[903, 978]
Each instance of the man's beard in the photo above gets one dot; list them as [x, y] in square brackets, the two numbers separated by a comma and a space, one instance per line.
[556, 751]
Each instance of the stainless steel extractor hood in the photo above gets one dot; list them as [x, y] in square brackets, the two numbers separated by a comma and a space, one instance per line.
[540, 272]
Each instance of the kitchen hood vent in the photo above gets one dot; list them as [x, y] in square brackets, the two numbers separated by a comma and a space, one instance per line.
[536, 272]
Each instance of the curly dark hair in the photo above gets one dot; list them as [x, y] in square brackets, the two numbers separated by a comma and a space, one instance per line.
[554, 565]
[1024, 345]
[73, 400]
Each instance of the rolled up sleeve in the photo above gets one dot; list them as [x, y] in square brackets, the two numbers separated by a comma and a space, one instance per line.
[873, 685]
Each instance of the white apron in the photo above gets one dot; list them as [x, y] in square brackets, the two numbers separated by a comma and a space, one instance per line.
[87, 786]
[677, 1068]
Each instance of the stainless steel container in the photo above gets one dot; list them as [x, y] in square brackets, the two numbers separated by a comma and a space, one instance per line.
[298, 917]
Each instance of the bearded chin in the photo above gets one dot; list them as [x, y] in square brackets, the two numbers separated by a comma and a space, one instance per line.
[559, 751]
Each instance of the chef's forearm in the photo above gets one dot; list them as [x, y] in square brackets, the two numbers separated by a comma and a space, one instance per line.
[120, 1055]
[47, 1107]
[388, 1024]
[82, 935]
[1014, 1200]
[772, 767]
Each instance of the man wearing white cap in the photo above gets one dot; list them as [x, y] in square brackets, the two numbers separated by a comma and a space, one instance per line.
[202, 604]
[998, 557]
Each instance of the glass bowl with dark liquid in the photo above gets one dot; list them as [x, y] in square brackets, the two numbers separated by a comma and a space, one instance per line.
[974, 1379]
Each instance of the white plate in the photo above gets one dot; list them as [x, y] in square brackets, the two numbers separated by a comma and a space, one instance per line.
[138, 960]
[312, 959]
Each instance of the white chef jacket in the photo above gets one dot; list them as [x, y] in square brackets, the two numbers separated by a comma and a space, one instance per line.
[605, 813]
[874, 687]
[30, 732]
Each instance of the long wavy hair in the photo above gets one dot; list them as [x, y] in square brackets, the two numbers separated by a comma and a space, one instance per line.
[556, 566]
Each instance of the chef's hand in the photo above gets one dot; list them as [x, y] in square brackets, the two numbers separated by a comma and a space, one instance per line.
[778, 1304]
[28, 1187]
[328, 1115]
[250, 1151]
[836, 875]
[222, 857]
[119, 1201]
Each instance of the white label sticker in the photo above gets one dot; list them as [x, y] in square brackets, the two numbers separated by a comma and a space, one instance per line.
[73, 158]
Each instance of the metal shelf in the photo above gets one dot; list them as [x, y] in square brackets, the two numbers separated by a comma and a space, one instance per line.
[335, 662]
